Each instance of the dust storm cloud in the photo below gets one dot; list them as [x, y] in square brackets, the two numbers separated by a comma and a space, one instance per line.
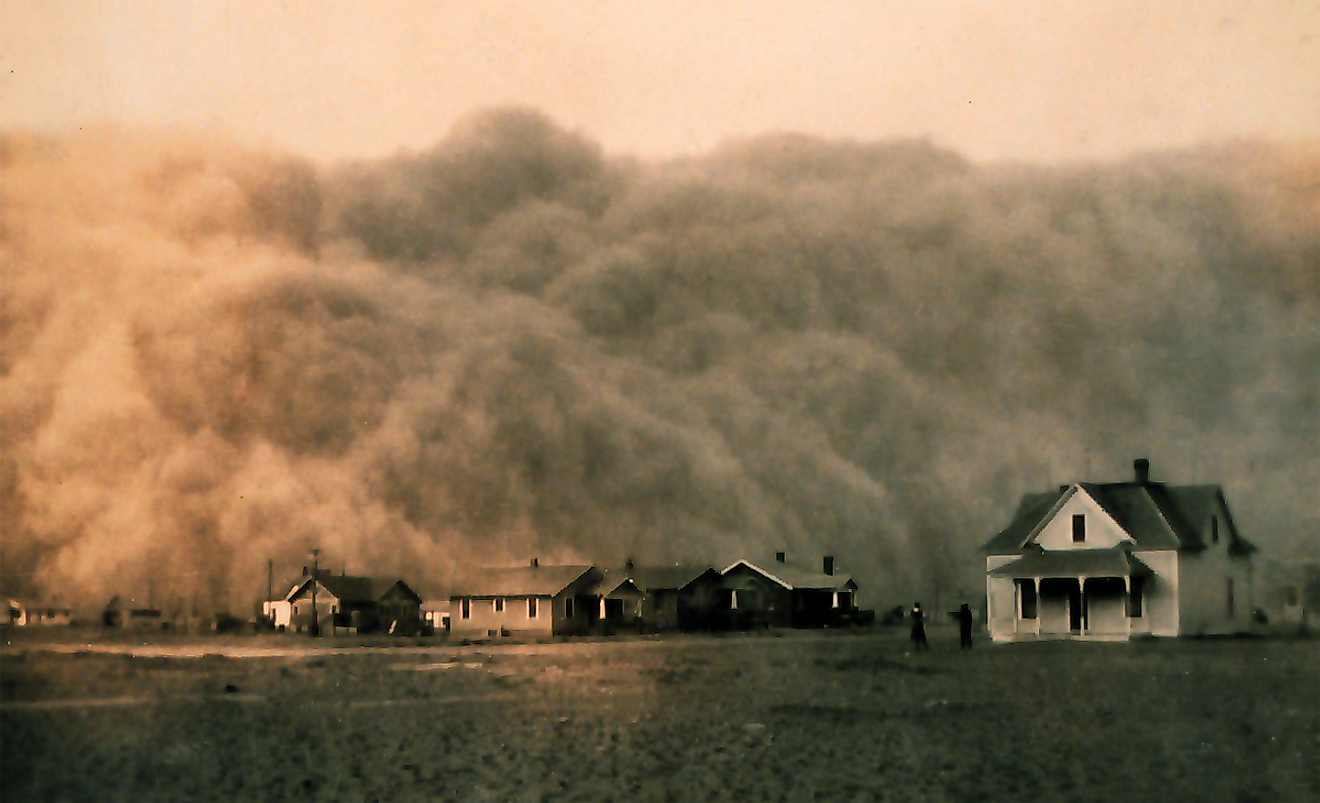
[513, 344]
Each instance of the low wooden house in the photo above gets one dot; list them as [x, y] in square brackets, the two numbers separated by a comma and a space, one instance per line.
[785, 595]
[531, 600]
[618, 603]
[657, 599]
[118, 613]
[354, 604]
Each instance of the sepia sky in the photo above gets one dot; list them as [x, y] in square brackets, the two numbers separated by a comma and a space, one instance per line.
[993, 80]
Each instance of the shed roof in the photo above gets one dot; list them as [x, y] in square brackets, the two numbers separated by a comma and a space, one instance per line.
[1074, 563]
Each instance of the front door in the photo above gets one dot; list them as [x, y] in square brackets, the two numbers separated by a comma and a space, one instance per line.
[1075, 610]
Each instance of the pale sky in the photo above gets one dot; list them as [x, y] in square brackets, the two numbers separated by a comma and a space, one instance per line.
[991, 79]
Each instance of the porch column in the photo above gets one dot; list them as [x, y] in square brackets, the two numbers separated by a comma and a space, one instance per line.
[1081, 600]
[1127, 604]
[1035, 590]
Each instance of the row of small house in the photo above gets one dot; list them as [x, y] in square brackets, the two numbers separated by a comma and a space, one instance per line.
[545, 600]
[118, 613]
[1087, 560]
[26, 614]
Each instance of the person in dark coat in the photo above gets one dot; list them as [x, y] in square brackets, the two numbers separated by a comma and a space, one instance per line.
[919, 628]
[965, 626]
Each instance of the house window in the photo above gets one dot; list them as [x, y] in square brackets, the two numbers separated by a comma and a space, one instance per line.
[1027, 595]
[1214, 529]
[467, 608]
[1230, 598]
[531, 607]
[733, 600]
[1079, 528]
[1136, 597]
[568, 608]
[499, 605]
[835, 603]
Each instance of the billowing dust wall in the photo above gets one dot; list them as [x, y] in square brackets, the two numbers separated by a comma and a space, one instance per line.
[513, 344]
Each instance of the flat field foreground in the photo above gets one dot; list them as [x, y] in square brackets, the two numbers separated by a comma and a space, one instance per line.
[788, 716]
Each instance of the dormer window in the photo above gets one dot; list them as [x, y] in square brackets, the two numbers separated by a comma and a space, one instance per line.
[1214, 529]
[1079, 528]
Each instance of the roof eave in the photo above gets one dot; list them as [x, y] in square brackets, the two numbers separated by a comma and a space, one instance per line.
[758, 570]
[1242, 548]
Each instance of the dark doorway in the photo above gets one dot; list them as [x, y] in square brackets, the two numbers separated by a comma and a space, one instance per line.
[1075, 615]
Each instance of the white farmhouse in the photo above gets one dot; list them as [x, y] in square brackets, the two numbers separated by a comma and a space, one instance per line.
[1113, 560]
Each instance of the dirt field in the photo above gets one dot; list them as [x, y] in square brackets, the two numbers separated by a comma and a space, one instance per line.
[796, 716]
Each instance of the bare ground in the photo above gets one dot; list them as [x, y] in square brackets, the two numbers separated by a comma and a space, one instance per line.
[790, 716]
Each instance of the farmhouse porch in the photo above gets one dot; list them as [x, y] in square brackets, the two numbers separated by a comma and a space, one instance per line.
[1078, 593]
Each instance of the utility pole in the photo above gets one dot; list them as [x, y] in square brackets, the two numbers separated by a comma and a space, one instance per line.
[267, 605]
[316, 629]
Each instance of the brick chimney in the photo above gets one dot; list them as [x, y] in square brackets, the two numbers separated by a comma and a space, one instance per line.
[536, 562]
[1141, 467]
[829, 565]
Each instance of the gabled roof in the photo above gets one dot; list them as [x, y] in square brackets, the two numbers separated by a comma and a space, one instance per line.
[1143, 512]
[351, 588]
[793, 577]
[656, 578]
[1155, 515]
[401, 585]
[519, 581]
[616, 586]
[1198, 503]
[1031, 512]
[648, 579]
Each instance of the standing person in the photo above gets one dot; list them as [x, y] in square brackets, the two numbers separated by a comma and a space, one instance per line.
[919, 628]
[965, 626]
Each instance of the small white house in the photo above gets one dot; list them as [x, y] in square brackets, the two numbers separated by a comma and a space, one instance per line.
[1107, 561]
[435, 615]
[279, 612]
